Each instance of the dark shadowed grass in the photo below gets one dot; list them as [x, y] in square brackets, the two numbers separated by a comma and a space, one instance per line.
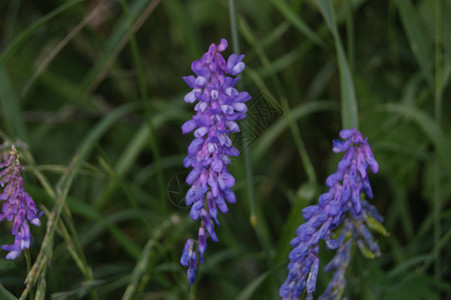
[95, 91]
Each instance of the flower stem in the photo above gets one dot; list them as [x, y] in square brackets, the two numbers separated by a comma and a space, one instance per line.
[438, 108]
[28, 261]
[147, 108]
[248, 162]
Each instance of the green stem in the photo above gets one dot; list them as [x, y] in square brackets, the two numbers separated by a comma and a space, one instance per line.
[308, 166]
[10, 22]
[28, 261]
[350, 34]
[192, 291]
[248, 161]
[233, 24]
[147, 108]
[436, 212]
[438, 60]
[438, 108]
[349, 111]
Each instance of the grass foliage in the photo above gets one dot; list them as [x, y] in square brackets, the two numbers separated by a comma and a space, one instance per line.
[94, 89]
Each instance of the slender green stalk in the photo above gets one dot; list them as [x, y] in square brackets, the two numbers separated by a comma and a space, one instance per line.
[10, 106]
[192, 291]
[248, 161]
[118, 178]
[28, 261]
[72, 239]
[438, 59]
[247, 156]
[147, 108]
[61, 192]
[349, 112]
[438, 108]
[142, 266]
[10, 22]
[233, 24]
[436, 212]
[285, 106]
[309, 169]
[17, 42]
[444, 241]
[350, 34]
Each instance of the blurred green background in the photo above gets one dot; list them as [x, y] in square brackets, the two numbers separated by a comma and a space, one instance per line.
[94, 89]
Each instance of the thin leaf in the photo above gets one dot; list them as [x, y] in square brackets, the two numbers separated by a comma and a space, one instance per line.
[250, 289]
[431, 129]
[297, 22]
[297, 113]
[89, 212]
[63, 188]
[420, 45]
[11, 107]
[349, 109]
[142, 265]
[118, 38]
[6, 294]
[18, 41]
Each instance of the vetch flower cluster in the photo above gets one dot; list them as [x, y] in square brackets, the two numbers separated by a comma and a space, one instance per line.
[354, 231]
[218, 108]
[341, 205]
[18, 206]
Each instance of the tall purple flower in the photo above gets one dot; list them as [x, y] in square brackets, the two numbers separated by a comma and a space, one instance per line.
[340, 205]
[19, 207]
[218, 108]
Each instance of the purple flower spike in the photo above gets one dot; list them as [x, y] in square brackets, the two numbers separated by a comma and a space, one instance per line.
[340, 205]
[219, 106]
[19, 207]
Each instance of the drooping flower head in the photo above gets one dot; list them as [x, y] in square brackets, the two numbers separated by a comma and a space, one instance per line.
[340, 205]
[18, 206]
[219, 106]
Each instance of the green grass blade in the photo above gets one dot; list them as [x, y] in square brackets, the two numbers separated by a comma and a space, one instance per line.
[401, 210]
[431, 129]
[89, 212]
[297, 113]
[254, 219]
[138, 274]
[131, 153]
[183, 27]
[10, 21]
[420, 45]
[250, 289]
[11, 107]
[349, 111]
[251, 37]
[297, 22]
[146, 105]
[118, 38]
[95, 134]
[350, 43]
[6, 294]
[300, 145]
[43, 65]
[134, 147]
[446, 39]
[18, 41]
[64, 186]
